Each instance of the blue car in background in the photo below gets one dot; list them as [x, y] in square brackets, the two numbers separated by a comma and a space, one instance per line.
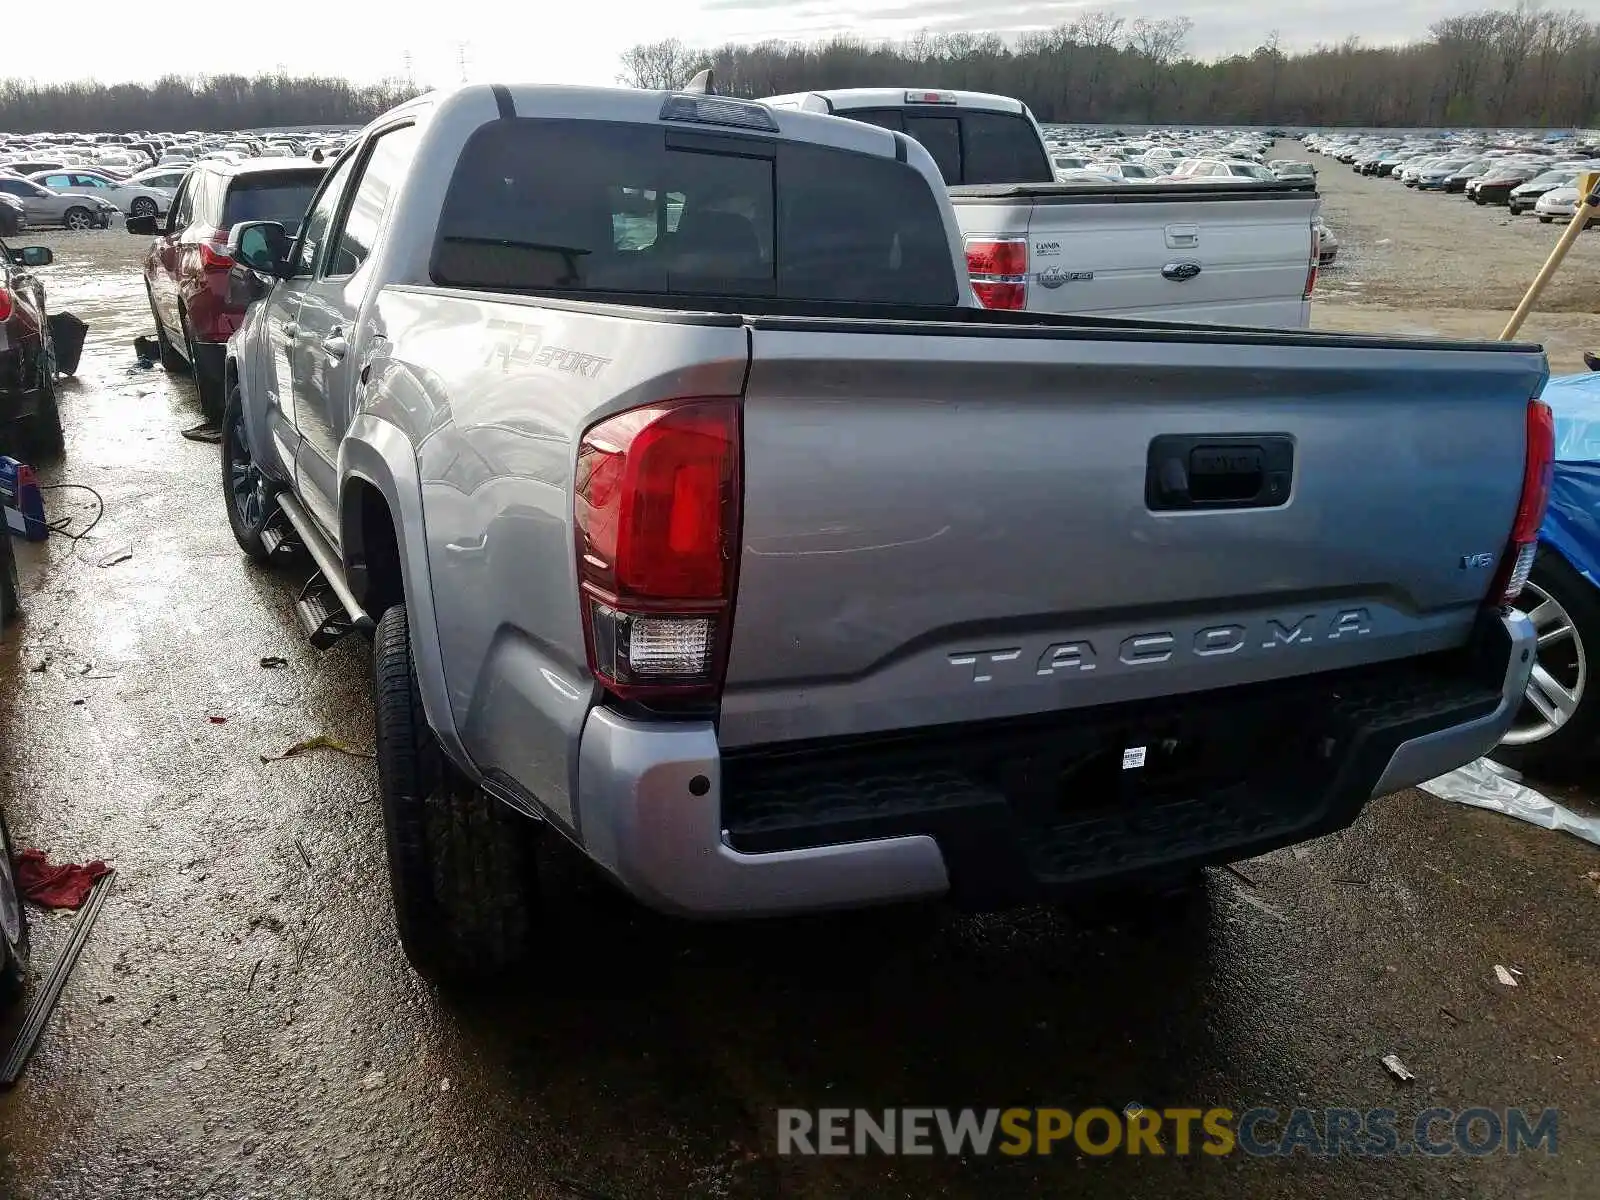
[1558, 730]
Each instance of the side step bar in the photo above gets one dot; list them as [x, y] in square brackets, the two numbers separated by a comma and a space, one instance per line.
[327, 607]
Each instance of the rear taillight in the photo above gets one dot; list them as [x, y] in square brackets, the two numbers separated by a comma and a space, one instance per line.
[7, 305]
[999, 271]
[657, 499]
[1316, 258]
[1538, 463]
[214, 258]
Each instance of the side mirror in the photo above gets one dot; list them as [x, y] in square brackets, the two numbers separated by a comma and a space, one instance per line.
[144, 226]
[260, 245]
[33, 256]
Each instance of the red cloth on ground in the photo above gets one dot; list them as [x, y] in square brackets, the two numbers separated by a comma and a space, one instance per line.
[63, 886]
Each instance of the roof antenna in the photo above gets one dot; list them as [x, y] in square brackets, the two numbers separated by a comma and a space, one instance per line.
[701, 84]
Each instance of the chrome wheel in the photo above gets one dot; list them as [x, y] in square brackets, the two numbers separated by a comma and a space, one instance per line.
[1560, 669]
[77, 219]
[144, 207]
[246, 486]
[10, 905]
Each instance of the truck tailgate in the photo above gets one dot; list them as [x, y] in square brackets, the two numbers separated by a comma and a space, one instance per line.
[1231, 256]
[948, 524]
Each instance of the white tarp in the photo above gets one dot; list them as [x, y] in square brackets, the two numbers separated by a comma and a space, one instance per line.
[1486, 784]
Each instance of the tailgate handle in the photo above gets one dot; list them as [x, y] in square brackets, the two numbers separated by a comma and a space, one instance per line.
[1183, 237]
[1201, 471]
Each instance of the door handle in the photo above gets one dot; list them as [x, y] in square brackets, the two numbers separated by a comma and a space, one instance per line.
[334, 346]
[1182, 236]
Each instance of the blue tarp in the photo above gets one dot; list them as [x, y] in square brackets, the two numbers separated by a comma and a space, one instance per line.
[1572, 522]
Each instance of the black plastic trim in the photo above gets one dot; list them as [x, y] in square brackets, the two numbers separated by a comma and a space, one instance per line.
[736, 144]
[503, 101]
[815, 316]
[1026, 808]
[900, 148]
[1083, 193]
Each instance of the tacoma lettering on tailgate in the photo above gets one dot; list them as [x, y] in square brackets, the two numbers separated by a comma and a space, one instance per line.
[1273, 634]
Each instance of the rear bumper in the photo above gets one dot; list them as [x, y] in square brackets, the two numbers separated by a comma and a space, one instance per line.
[1021, 811]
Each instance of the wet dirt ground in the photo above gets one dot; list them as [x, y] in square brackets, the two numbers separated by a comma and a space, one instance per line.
[1426, 263]
[243, 1023]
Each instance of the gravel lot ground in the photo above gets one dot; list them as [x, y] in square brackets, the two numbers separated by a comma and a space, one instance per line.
[243, 1023]
[1426, 263]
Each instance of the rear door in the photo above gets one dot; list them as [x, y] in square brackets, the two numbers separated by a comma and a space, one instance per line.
[949, 527]
[330, 341]
[163, 279]
[294, 357]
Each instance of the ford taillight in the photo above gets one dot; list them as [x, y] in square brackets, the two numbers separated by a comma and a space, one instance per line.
[657, 498]
[1538, 463]
[7, 305]
[998, 268]
[1316, 259]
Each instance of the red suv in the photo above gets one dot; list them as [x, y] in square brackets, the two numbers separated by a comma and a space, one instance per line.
[186, 273]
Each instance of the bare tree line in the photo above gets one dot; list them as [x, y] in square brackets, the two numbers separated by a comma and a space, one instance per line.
[1525, 66]
[177, 103]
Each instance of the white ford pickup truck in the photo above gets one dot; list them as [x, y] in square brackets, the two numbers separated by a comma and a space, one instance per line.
[1224, 253]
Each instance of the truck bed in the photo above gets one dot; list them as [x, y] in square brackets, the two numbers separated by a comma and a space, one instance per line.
[947, 514]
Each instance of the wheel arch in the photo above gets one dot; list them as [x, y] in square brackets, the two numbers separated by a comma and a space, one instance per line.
[382, 542]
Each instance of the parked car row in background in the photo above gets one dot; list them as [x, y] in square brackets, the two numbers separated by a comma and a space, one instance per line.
[86, 181]
[1525, 174]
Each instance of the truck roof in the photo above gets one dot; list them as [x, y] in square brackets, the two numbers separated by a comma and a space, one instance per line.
[848, 99]
[466, 103]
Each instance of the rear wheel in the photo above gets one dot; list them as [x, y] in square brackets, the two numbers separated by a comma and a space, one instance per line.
[171, 361]
[42, 432]
[13, 924]
[78, 218]
[143, 207]
[210, 389]
[461, 864]
[246, 491]
[1558, 727]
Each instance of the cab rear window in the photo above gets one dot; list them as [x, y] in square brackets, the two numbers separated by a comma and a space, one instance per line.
[666, 210]
[970, 145]
[276, 196]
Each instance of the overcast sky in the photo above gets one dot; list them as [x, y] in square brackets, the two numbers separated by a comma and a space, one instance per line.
[570, 41]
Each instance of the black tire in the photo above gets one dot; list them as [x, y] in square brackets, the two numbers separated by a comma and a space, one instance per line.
[13, 925]
[461, 864]
[247, 493]
[1544, 220]
[77, 218]
[171, 361]
[42, 432]
[142, 206]
[210, 390]
[1570, 749]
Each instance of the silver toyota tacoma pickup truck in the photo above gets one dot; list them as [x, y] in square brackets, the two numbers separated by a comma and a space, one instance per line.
[699, 515]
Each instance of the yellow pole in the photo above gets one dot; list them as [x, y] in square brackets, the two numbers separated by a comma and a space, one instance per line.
[1588, 207]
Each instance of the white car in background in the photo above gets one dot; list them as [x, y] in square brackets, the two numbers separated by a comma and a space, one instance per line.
[1128, 172]
[1559, 204]
[133, 199]
[164, 179]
